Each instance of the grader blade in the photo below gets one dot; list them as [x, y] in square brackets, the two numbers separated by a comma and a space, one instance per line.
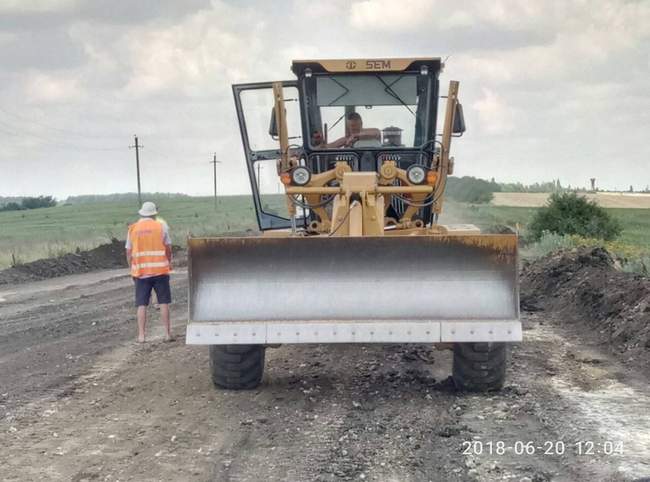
[401, 279]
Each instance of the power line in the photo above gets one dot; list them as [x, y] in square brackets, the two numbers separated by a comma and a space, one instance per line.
[39, 124]
[174, 158]
[55, 140]
[11, 131]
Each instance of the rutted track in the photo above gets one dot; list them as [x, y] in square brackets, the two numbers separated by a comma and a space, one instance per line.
[113, 410]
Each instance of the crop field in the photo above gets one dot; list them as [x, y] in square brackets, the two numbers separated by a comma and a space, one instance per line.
[43, 233]
[627, 200]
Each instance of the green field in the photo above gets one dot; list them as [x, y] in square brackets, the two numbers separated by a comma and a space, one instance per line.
[636, 222]
[48, 232]
[42, 233]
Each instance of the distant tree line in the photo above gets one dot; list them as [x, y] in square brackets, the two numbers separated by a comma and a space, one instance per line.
[474, 190]
[469, 189]
[125, 196]
[549, 186]
[10, 199]
[29, 203]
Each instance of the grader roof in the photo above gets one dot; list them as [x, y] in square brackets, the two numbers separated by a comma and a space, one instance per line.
[365, 65]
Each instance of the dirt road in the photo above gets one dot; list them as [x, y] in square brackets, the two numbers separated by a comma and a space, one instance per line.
[79, 401]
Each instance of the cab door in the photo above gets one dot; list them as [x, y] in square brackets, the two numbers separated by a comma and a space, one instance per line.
[254, 103]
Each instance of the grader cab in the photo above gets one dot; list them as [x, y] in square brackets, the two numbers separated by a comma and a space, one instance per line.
[348, 168]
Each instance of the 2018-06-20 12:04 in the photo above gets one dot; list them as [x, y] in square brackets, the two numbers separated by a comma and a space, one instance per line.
[548, 447]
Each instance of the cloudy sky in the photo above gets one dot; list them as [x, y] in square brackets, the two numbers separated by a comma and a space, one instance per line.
[550, 88]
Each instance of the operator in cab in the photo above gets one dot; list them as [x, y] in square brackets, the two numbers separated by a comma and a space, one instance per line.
[356, 132]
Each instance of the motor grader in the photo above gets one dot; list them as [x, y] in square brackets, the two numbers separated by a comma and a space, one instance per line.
[348, 168]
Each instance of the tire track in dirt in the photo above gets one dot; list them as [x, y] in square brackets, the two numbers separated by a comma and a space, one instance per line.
[54, 339]
[346, 412]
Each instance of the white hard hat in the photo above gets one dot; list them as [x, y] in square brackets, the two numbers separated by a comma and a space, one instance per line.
[148, 209]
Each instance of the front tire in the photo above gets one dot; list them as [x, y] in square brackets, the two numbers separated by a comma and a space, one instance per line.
[237, 367]
[479, 367]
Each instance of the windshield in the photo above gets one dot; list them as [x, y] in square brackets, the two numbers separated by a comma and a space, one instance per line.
[365, 111]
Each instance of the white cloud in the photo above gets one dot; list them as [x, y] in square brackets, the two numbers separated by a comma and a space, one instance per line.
[36, 6]
[458, 19]
[190, 56]
[5, 38]
[494, 115]
[46, 88]
[389, 15]
[540, 81]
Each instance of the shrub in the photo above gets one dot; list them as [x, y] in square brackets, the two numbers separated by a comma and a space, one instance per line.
[470, 189]
[569, 213]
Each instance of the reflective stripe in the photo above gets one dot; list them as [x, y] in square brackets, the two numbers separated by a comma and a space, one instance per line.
[161, 264]
[148, 253]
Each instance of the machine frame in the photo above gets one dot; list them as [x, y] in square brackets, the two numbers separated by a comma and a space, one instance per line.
[360, 205]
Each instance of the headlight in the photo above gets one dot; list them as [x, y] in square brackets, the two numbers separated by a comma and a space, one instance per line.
[300, 176]
[416, 174]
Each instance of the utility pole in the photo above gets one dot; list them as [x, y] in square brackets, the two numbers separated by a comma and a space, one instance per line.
[137, 148]
[214, 162]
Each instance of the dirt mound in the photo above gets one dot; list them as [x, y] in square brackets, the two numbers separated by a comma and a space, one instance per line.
[106, 256]
[584, 284]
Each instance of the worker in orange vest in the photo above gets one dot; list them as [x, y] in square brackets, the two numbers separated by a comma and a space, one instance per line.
[149, 254]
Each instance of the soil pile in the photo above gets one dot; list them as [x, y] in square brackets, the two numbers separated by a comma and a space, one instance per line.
[106, 256]
[584, 284]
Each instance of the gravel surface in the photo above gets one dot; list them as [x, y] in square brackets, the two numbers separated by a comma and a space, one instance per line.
[80, 401]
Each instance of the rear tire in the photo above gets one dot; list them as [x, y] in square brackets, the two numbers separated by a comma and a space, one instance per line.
[479, 367]
[237, 367]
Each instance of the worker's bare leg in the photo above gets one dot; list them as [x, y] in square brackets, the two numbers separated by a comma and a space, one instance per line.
[164, 317]
[142, 322]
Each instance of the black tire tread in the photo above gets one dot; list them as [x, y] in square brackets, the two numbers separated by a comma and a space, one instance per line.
[237, 367]
[479, 367]
[242, 363]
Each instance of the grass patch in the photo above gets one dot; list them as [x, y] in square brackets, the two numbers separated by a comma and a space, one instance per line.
[485, 215]
[632, 259]
[635, 222]
[631, 248]
[43, 233]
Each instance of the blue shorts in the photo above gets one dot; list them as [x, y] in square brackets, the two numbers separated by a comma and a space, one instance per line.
[160, 284]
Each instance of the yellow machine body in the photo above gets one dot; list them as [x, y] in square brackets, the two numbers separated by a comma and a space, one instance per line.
[354, 273]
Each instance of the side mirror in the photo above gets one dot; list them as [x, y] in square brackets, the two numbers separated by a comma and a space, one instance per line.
[273, 126]
[459, 120]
